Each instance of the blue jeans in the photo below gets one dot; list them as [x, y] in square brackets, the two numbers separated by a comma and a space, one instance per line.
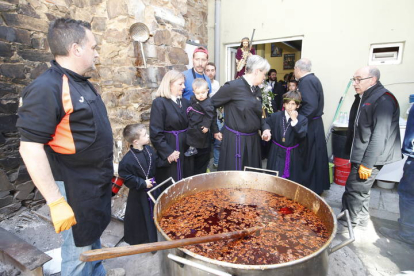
[217, 144]
[71, 265]
[406, 193]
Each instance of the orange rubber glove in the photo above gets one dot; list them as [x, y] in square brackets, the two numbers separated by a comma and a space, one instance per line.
[62, 215]
[364, 172]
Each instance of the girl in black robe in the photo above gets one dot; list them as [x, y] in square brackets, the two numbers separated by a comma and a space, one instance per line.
[168, 114]
[137, 168]
[288, 131]
[242, 103]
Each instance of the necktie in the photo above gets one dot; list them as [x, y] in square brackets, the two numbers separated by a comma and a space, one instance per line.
[178, 102]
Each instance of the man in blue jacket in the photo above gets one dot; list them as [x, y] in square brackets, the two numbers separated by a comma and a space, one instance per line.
[405, 233]
[200, 60]
[373, 140]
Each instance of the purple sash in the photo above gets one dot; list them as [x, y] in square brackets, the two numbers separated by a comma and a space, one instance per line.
[318, 117]
[177, 148]
[191, 108]
[238, 142]
[286, 171]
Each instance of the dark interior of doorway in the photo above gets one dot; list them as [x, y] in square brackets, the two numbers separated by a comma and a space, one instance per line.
[281, 55]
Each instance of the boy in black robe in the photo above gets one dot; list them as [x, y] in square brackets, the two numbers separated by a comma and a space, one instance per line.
[137, 168]
[200, 115]
[288, 130]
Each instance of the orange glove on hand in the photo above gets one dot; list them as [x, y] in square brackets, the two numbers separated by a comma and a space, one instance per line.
[364, 172]
[62, 215]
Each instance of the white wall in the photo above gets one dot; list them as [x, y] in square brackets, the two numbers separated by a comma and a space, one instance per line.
[337, 38]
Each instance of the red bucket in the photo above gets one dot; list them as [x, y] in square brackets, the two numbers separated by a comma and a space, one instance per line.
[342, 170]
[116, 184]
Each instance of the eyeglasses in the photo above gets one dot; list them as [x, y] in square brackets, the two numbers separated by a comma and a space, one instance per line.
[357, 81]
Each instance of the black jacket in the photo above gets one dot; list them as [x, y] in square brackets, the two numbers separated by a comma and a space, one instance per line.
[62, 110]
[278, 90]
[373, 134]
[201, 117]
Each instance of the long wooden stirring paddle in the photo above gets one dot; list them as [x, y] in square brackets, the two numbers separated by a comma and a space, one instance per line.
[113, 252]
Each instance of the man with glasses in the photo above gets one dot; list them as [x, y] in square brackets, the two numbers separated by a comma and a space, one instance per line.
[373, 140]
[316, 168]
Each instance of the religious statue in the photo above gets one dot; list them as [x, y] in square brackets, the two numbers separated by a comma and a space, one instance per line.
[243, 53]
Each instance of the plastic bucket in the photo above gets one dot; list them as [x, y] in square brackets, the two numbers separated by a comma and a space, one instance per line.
[342, 170]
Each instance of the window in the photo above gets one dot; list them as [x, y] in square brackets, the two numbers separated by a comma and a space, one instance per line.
[390, 53]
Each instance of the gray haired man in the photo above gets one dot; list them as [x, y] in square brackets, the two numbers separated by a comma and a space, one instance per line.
[315, 167]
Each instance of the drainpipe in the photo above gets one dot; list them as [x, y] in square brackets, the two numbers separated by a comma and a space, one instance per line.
[217, 38]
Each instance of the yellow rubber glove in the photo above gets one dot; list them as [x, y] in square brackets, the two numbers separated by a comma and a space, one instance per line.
[364, 172]
[62, 215]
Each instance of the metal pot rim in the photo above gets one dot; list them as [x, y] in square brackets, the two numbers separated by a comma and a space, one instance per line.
[255, 267]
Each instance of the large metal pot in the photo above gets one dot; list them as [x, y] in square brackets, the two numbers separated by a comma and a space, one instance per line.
[186, 263]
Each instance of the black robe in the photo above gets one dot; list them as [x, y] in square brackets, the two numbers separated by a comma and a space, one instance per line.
[166, 115]
[278, 90]
[315, 170]
[243, 113]
[195, 136]
[139, 224]
[293, 136]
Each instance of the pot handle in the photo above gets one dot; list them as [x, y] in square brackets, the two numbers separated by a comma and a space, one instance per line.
[257, 169]
[350, 229]
[197, 265]
[158, 186]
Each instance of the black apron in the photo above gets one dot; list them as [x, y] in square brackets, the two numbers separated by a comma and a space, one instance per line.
[87, 175]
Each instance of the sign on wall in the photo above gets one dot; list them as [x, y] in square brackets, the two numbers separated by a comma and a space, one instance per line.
[288, 61]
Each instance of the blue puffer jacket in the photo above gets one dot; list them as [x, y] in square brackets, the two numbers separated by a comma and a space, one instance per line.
[408, 144]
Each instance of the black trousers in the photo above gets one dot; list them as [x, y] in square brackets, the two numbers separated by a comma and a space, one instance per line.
[357, 194]
[201, 160]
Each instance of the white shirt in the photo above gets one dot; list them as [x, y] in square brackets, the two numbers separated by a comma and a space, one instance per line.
[306, 74]
[251, 85]
[174, 99]
[293, 122]
[215, 86]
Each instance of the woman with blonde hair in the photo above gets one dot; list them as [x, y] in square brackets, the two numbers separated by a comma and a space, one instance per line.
[168, 126]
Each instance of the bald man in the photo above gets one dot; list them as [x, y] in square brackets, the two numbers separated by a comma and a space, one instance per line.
[373, 140]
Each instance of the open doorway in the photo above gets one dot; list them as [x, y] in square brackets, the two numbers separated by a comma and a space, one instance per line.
[280, 53]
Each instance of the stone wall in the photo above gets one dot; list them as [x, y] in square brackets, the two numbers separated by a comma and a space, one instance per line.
[127, 88]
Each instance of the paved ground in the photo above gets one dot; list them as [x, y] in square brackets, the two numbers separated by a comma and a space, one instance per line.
[370, 254]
